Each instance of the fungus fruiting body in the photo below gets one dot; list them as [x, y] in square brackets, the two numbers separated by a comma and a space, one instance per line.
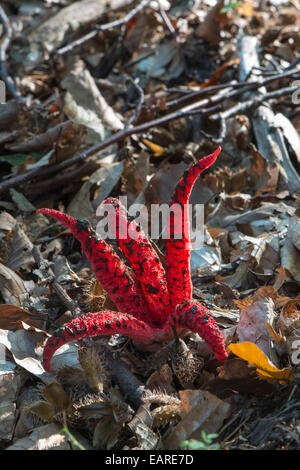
[149, 298]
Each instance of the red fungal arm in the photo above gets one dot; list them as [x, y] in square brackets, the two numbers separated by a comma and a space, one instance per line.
[96, 324]
[109, 270]
[178, 250]
[192, 315]
[144, 262]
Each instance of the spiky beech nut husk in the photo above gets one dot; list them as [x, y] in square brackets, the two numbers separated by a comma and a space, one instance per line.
[94, 366]
[94, 296]
[186, 366]
[166, 414]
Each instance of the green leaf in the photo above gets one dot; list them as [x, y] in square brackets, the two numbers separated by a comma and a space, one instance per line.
[193, 444]
[230, 6]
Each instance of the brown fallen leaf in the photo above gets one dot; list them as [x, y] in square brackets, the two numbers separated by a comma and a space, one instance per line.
[66, 137]
[162, 379]
[261, 174]
[210, 28]
[252, 324]
[290, 317]
[200, 411]
[12, 287]
[235, 376]
[11, 317]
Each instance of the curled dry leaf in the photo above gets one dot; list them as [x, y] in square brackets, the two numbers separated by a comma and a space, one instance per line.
[22, 345]
[140, 425]
[289, 319]
[58, 28]
[265, 292]
[12, 287]
[290, 255]
[85, 104]
[7, 420]
[262, 174]
[280, 278]
[20, 251]
[66, 137]
[289, 326]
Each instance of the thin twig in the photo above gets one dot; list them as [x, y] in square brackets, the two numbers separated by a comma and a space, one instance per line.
[104, 27]
[235, 85]
[63, 179]
[135, 115]
[255, 102]
[136, 61]
[167, 22]
[292, 64]
[66, 300]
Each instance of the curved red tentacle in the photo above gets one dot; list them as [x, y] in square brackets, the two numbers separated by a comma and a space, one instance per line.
[96, 324]
[194, 316]
[109, 269]
[143, 260]
[178, 249]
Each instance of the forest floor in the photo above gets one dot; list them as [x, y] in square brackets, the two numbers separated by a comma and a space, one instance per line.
[119, 99]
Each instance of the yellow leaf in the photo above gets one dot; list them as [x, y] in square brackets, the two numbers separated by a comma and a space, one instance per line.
[246, 9]
[257, 358]
[157, 150]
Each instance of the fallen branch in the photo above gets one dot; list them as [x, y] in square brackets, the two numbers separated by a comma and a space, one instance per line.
[131, 387]
[213, 105]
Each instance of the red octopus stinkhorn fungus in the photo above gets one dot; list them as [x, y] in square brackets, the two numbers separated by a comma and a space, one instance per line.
[149, 299]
